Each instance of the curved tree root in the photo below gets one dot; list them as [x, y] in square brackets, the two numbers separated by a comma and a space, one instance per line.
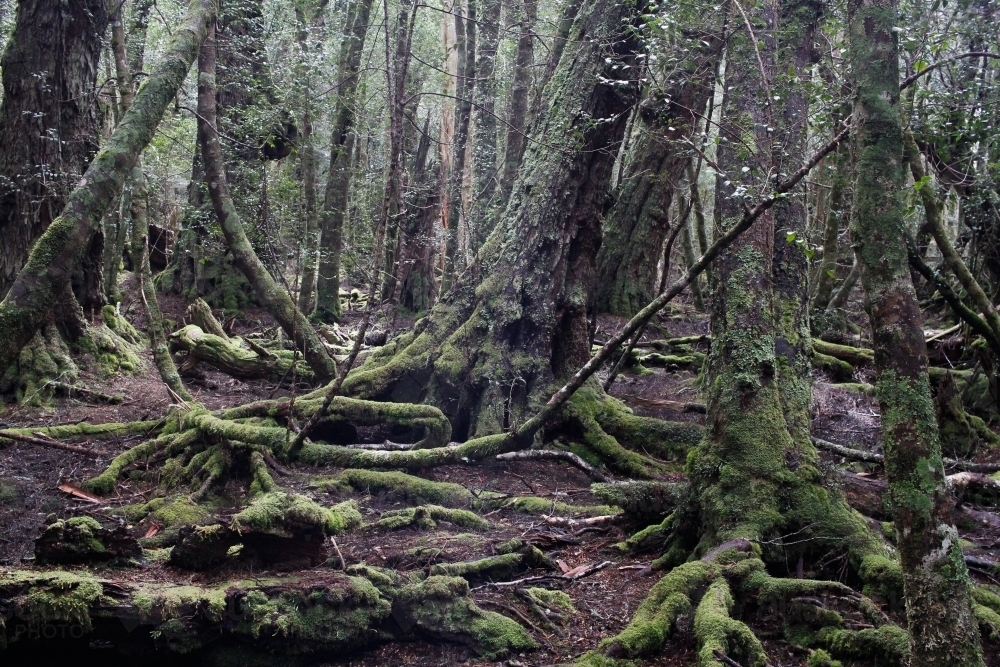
[709, 588]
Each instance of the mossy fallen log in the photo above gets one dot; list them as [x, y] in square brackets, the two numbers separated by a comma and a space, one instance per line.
[317, 613]
[83, 539]
[229, 357]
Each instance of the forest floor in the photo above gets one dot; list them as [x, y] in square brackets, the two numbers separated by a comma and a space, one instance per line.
[604, 600]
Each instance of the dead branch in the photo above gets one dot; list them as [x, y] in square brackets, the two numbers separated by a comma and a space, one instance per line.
[555, 454]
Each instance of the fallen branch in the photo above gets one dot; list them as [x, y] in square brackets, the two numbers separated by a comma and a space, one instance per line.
[593, 521]
[554, 454]
[45, 442]
[872, 457]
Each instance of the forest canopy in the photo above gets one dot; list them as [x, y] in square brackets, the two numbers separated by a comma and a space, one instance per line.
[516, 332]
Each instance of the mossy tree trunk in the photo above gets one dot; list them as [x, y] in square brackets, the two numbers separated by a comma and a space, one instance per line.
[201, 265]
[271, 295]
[331, 220]
[61, 248]
[416, 283]
[516, 320]
[755, 475]
[484, 153]
[943, 628]
[637, 224]
[517, 113]
[49, 129]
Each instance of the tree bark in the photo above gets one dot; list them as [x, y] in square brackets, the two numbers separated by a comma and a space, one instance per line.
[637, 223]
[943, 628]
[307, 154]
[331, 220]
[465, 45]
[48, 121]
[484, 152]
[61, 248]
[271, 295]
[416, 282]
[517, 113]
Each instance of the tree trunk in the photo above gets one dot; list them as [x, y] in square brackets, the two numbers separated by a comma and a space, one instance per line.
[517, 113]
[757, 442]
[202, 267]
[465, 45]
[484, 152]
[488, 350]
[331, 220]
[60, 249]
[307, 155]
[943, 628]
[831, 233]
[416, 283]
[271, 295]
[48, 120]
[636, 226]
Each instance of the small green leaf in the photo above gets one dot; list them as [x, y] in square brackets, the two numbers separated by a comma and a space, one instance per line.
[790, 237]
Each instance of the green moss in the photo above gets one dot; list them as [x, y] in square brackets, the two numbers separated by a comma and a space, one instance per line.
[493, 568]
[427, 516]
[642, 499]
[279, 510]
[883, 577]
[820, 658]
[552, 599]
[409, 487]
[535, 505]
[441, 606]
[889, 643]
[717, 631]
[989, 621]
[669, 598]
[168, 512]
[47, 597]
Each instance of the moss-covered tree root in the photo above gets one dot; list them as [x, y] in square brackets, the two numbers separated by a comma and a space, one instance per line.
[710, 589]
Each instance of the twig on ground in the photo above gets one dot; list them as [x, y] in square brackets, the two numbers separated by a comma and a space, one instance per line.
[44, 441]
[552, 454]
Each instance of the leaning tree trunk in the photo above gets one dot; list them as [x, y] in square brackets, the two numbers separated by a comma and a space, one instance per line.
[201, 265]
[490, 349]
[331, 220]
[61, 248]
[271, 295]
[48, 127]
[637, 223]
[943, 628]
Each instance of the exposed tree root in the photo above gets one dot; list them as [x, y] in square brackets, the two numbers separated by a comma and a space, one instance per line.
[710, 587]
[407, 487]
